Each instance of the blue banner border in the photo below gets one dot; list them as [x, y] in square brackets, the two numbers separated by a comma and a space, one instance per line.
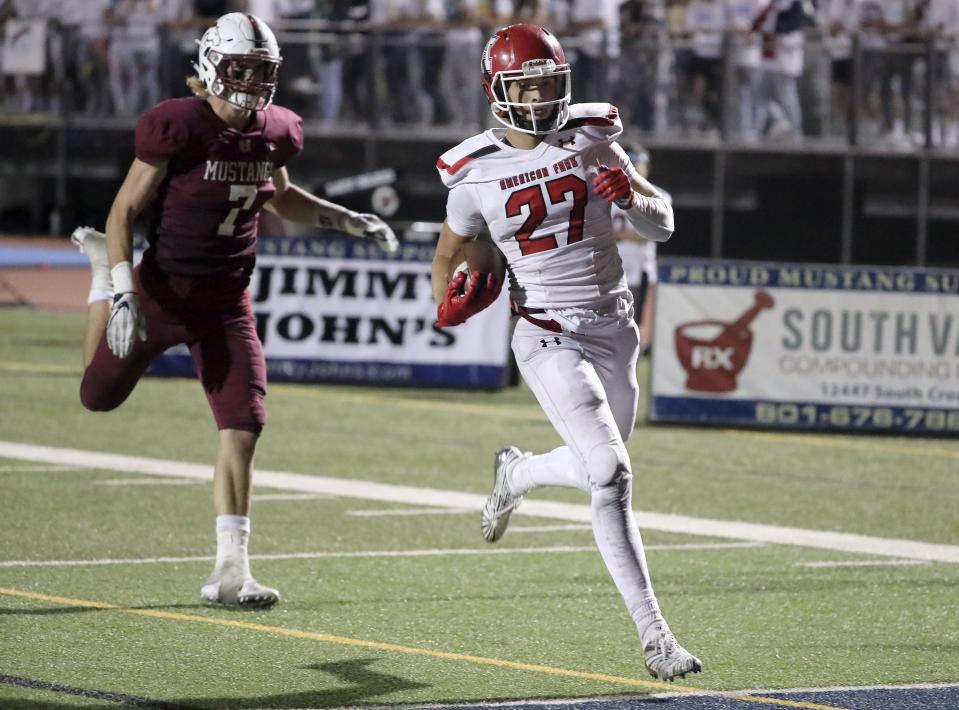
[803, 415]
[359, 373]
[827, 277]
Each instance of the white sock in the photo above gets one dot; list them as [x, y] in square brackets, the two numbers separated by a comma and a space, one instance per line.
[621, 546]
[101, 281]
[232, 539]
[98, 293]
[233, 522]
[559, 467]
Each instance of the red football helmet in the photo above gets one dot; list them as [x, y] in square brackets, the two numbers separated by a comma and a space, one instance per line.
[524, 53]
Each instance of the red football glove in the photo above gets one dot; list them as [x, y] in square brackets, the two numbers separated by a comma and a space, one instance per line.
[457, 307]
[613, 185]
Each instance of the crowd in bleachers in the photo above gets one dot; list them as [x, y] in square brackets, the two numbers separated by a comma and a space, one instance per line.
[781, 70]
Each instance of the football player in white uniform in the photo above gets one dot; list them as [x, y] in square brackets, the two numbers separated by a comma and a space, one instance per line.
[544, 187]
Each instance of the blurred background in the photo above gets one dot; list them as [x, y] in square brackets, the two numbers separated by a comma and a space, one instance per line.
[786, 130]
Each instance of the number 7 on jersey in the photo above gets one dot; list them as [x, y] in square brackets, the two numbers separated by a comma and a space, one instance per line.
[247, 193]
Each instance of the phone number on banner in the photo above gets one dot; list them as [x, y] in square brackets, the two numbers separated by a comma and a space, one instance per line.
[843, 416]
[808, 415]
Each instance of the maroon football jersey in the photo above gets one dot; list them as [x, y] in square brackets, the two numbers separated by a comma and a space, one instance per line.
[205, 213]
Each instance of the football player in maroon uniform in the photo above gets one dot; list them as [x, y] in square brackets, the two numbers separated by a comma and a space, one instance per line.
[205, 166]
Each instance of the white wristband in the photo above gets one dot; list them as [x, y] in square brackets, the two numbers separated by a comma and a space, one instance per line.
[122, 275]
[350, 227]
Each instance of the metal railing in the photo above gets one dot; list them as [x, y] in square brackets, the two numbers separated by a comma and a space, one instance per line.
[378, 84]
[345, 75]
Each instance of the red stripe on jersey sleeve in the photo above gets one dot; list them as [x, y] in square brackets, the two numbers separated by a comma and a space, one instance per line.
[608, 120]
[455, 167]
[597, 121]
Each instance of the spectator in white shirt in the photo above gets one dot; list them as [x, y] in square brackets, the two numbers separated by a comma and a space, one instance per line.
[895, 80]
[780, 25]
[86, 53]
[135, 54]
[464, 41]
[839, 21]
[705, 22]
[641, 93]
[746, 60]
[942, 22]
[596, 25]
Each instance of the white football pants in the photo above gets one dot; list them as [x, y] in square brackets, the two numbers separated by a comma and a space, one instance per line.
[587, 386]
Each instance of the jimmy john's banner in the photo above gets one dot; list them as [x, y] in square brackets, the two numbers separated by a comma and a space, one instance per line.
[807, 346]
[341, 310]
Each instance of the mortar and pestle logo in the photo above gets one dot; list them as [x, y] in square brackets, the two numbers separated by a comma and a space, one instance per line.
[713, 353]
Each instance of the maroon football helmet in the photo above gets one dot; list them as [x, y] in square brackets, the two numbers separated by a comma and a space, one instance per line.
[526, 53]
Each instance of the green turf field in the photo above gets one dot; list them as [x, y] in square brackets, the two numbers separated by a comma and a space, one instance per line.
[364, 622]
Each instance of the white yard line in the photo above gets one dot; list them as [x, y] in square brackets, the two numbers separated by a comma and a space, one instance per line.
[303, 556]
[860, 563]
[572, 512]
[450, 552]
[548, 528]
[146, 482]
[706, 546]
[291, 496]
[380, 513]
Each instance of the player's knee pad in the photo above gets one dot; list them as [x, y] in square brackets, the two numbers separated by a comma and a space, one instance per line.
[606, 463]
[618, 492]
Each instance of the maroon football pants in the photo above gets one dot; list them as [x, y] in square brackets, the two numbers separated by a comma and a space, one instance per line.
[219, 328]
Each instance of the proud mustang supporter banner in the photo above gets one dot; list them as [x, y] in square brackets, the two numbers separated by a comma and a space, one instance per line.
[807, 346]
[341, 310]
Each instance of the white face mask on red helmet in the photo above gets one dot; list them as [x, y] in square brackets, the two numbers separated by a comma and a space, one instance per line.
[239, 61]
[526, 53]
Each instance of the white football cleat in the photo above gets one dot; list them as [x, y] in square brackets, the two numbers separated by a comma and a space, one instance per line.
[666, 659]
[501, 503]
[92, 243]
[230, 587]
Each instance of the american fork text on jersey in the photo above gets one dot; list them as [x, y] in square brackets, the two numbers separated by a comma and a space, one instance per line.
[538, 174]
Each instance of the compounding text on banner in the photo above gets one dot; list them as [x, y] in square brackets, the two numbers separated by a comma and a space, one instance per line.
[807, 346]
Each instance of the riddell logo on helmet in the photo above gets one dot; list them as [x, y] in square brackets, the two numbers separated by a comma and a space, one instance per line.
[713, 352]
[538, 67]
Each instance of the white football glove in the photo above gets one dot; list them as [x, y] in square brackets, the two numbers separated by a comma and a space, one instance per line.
[369, 226]
[126, 323]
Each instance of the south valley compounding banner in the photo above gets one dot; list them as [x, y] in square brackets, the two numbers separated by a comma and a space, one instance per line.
[341, 310]
[807, 346]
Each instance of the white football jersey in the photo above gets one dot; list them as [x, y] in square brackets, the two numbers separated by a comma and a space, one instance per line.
[555, 233]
